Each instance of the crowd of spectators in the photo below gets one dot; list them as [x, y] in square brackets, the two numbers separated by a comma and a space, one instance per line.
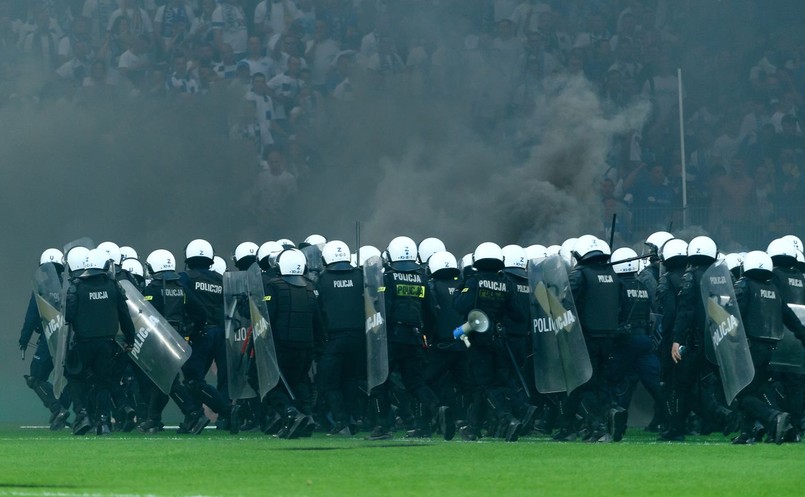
[287, 62]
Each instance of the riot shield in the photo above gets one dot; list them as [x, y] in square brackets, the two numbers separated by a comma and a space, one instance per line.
[158, 349]
[238, 331]
[48, 296]
[377, 355]
[726, 338]
[789, 356]
[315, 264]
[265, 354]
[561, 360]
[81, 242]
[50, 293]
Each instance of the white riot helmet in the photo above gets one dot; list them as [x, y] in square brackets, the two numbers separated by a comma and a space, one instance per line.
[514, 256]
[443, 263]
[316, 240]
[656, 240]
[267, 252]
[199, 248]
[112, 250]
[674, 248]
[96, 262]
[245, 254]
[703, 246]
[286, 243]
[566, 250]
[514, 260]
[589, 247]
[553, 249]
[536, 252]
[795, 240]
[366, 252]
[624, 254]
[134, 267]
[160, 260]
[466, 263]
[335, 251]
[428, 247]
[52, 255]
[218, 265]
[127, 252]
[782, 248]
[402, 254]
[757, 264]
[292, 264]
[488, 256]
[733, 261]
[76, 259]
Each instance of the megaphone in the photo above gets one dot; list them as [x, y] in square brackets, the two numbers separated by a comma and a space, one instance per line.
[477, 321]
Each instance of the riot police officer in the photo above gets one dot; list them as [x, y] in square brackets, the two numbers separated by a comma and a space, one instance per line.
[763, 312]
[406, 299]
[95, 309]
[446, 356]
[487, 289]
[690, 370]
[42, 362]
[674, 260]
[167, 296]
[298, 333]
[633, 355]
[343, 364]
[791, 283]
[596, 294]
[204, 292]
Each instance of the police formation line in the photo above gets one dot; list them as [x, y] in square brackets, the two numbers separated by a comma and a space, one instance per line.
[508, 342]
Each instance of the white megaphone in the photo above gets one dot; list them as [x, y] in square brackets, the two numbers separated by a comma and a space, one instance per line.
[477, 321]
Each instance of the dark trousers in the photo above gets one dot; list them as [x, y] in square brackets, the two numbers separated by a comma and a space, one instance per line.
[294, 364]
[591, 399]
[339, 372]
[409, 361]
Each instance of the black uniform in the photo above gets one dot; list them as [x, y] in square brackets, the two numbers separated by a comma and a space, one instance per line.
[42, 366]
[406, 298]
[696, 380]
[167, 296]
[488, 290]
[791, 283]
[204, 292]
[298, 332]
[596, 293]
[95, 309]
[447, 356]
[519, 342]
[667, 291]
[343, 364]
[763, 312]
[633, 354]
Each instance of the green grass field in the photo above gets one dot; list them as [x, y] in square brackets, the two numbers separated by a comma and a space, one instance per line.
[37, 462]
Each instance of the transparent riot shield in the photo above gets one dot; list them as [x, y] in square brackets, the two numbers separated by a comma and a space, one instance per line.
[80, 242]
[48, 296]
[50, 293]
[789, 356]
[377, 355]
[265, 354]
[561, 360]
[158, 349]
[315, 264]
[725, 338]
[238, 331]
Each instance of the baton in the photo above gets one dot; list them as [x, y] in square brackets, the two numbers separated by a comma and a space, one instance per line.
[517, 369]
[22, 353]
